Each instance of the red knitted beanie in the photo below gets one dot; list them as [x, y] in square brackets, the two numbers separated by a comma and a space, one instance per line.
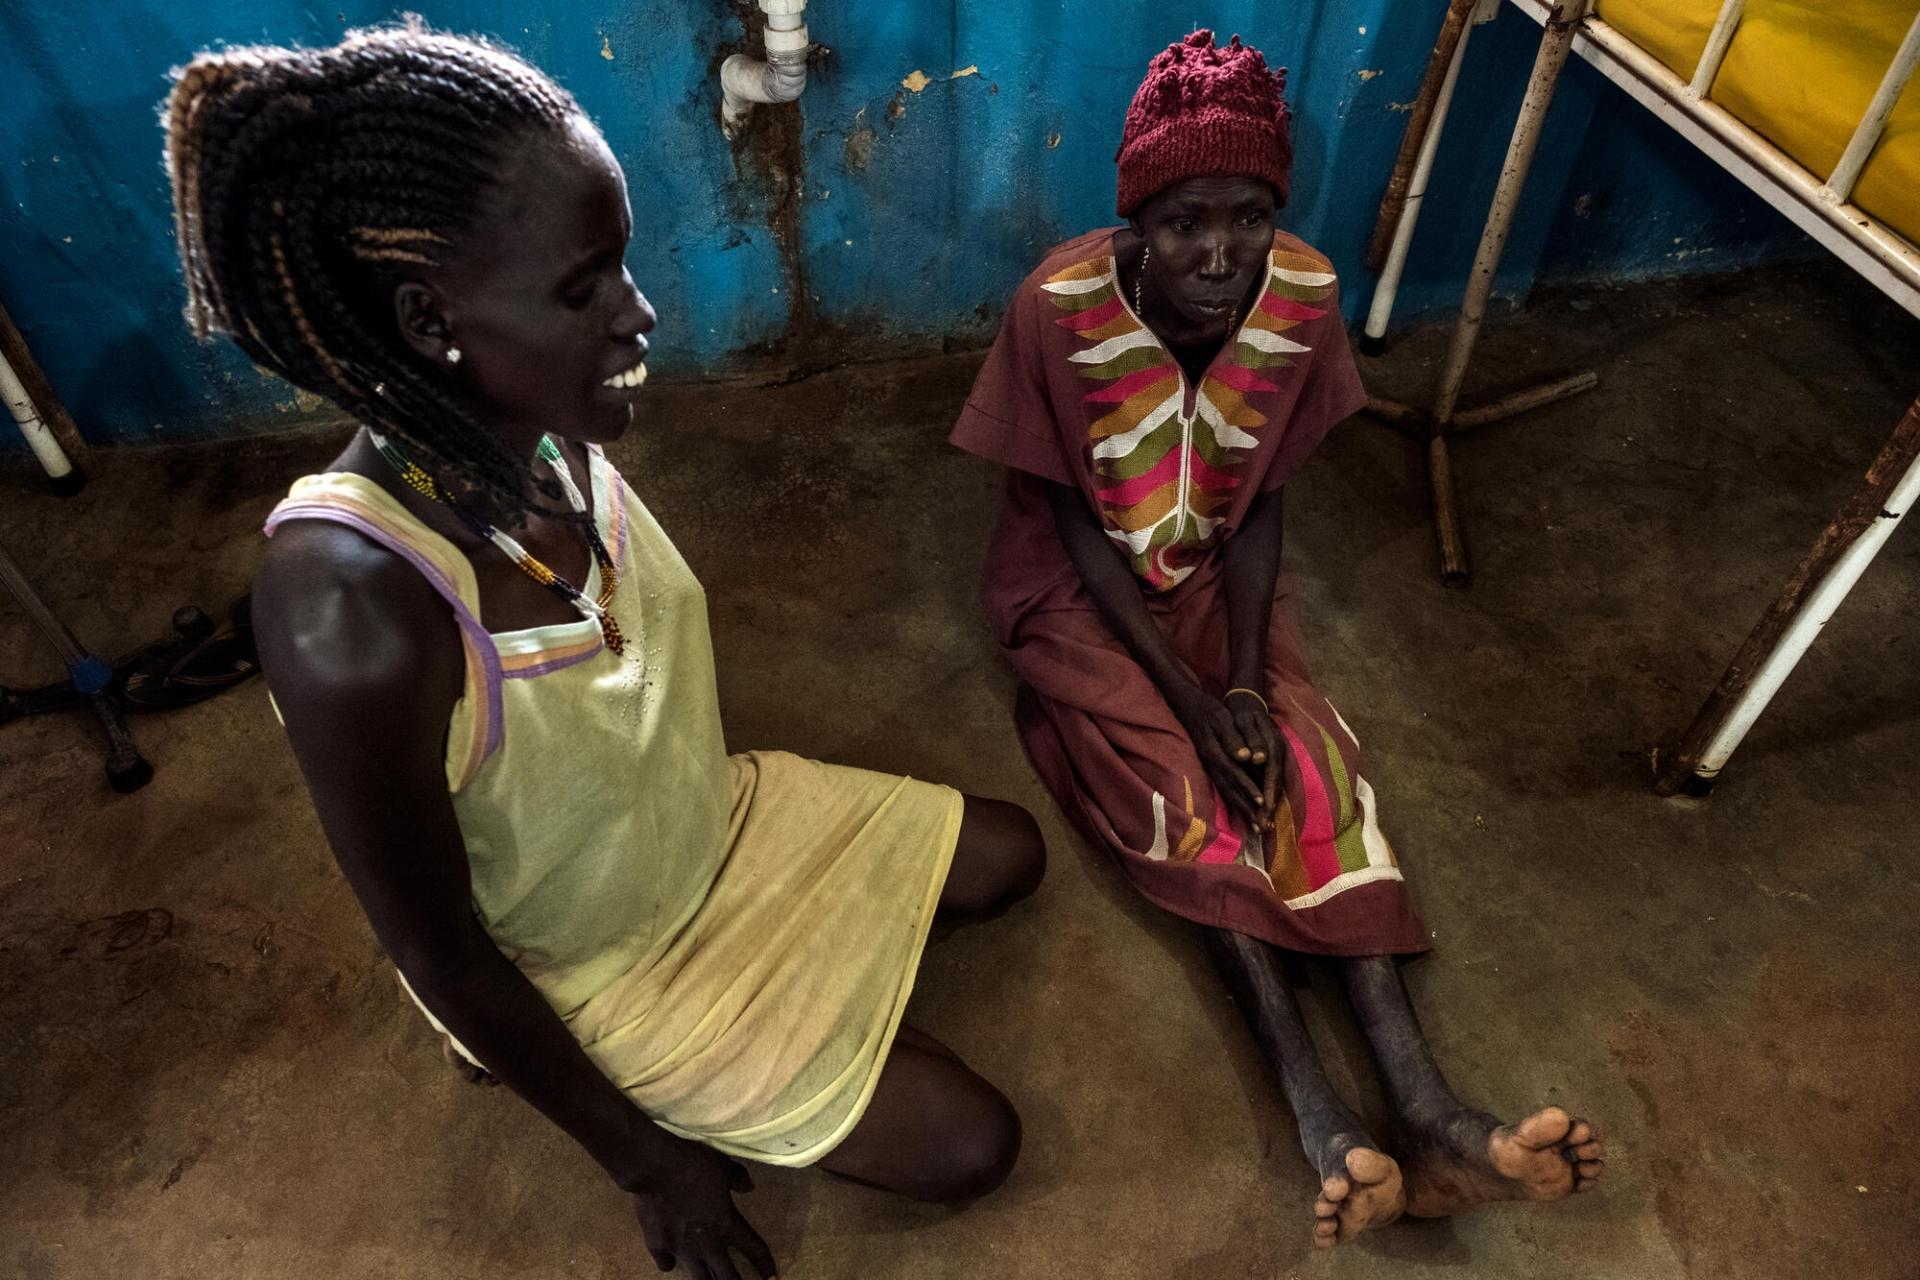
[1205, 111]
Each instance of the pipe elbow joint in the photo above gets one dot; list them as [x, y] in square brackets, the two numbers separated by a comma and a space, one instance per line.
[781, 77]
[785, 81]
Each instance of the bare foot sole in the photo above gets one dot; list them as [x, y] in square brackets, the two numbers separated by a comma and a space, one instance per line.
[1468, 1158]
[1369, 1194]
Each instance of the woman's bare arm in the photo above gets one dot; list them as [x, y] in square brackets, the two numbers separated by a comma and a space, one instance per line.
[1116, 593]
[365, 663]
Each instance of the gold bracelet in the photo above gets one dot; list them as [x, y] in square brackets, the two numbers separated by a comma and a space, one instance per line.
[1253, 693]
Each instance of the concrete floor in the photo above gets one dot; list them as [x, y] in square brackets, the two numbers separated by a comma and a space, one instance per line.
[205, 1069]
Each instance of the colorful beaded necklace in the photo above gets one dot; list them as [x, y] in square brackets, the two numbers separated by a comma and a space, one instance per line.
[415, 477]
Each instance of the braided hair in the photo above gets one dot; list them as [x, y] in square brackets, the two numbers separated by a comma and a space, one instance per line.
[309, 183]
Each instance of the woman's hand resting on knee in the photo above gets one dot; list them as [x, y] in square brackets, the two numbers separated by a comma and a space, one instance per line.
[1268, 762]
[1237, 747]
[687, 1214]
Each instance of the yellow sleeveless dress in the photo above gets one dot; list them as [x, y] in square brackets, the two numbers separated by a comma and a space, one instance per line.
[731, 939]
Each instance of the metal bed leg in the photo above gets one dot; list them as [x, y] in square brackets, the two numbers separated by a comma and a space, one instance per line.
[1556, 42]
[1795, 618]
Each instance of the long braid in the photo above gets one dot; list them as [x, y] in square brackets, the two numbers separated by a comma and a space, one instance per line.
[308, 184]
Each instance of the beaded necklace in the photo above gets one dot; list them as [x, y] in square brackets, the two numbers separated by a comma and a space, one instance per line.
[415, 477]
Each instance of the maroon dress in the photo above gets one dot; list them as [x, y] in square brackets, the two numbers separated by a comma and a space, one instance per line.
[1077, 391]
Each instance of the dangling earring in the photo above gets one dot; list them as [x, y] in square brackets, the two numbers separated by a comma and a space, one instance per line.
[453, 355]
[1140, 312]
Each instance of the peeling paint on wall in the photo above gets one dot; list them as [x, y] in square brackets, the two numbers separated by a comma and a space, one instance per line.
[917, 80]
[858, 153]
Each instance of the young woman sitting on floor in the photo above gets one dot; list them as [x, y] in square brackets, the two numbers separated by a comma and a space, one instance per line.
[496, 674]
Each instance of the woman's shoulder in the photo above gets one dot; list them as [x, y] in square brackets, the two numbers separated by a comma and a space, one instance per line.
[1090, 250]
[1097, 243]
[1291, 252]
[337, 609]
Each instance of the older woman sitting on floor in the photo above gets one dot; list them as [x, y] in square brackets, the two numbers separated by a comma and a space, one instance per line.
[1153, 388]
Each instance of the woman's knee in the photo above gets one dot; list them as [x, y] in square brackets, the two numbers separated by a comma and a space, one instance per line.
[979, 1154]
[1001, 858]
[934, 1131]
[1026, 854]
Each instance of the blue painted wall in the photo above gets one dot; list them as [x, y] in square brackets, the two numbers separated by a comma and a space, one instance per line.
[1640, 203]
[875, 217]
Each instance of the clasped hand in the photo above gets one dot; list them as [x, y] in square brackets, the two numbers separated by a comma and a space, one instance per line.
[1239, 748]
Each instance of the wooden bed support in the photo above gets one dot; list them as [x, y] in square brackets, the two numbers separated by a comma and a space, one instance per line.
[1817, 205]
[1805, 605]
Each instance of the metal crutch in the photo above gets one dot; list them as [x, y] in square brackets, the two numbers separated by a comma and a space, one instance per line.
[91, 677]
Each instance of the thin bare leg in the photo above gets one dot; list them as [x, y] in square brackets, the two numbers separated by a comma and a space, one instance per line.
[1360, 1184]
[1456, 1156]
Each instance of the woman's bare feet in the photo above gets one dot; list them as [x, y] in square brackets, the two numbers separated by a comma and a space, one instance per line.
[1465, 1158]
[1364, 1191]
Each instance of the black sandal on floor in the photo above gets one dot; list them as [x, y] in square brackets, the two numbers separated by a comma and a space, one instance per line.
[170, 676]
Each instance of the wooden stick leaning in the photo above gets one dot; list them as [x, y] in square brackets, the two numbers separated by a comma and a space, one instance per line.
[1395, 200]
[52, 411]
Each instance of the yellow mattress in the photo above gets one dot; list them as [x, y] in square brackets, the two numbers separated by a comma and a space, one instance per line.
[1800, 73]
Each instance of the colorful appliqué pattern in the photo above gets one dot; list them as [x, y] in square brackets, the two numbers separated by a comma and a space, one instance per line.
[1166, 464]
[1336, 845]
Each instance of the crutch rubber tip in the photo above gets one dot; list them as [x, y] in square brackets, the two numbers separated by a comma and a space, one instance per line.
[1372, 346]
[129, 776]
[67, 485]
[191, 623]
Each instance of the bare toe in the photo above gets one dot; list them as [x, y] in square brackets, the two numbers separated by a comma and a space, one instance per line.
[1546, 1127]
[1369, 1167]
[1468, 1158]
[1376, 1194]
[1534, 1154]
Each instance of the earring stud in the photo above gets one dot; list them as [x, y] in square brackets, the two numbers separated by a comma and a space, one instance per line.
[453, 355]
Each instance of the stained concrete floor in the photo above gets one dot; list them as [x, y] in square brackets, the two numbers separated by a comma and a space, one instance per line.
[205, 1069]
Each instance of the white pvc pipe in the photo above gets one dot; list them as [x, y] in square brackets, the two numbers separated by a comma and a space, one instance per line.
[39, 437]
[1867, 133]
[780, 78]
[1814, 614]
[1389, 285]
[1716, 51]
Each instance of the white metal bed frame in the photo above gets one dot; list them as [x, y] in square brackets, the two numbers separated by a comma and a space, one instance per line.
[1818, 205]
